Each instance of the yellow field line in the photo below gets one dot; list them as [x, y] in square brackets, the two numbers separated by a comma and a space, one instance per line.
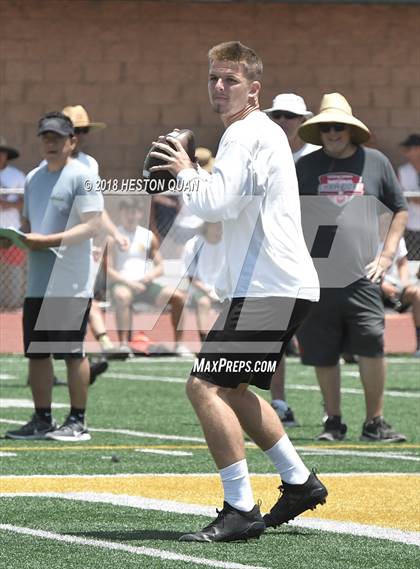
[374, 500]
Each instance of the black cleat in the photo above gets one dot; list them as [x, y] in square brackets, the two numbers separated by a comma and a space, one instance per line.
[230, 525]
[96, 368]
[296, 499]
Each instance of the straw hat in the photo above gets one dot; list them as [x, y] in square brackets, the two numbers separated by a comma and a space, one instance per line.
[12, 153]
[334, 108]
[80, 118]
[204, 158]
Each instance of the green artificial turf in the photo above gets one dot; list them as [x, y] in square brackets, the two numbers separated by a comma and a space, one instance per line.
[161, 407]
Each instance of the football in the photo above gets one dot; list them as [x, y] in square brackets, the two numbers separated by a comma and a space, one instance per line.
[163, 177]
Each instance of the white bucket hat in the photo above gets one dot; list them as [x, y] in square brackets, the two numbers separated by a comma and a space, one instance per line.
[334, 108]
[291, 103]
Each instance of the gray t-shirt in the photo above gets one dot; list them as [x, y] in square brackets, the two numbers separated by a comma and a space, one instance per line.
[343, 224]
[54, 202]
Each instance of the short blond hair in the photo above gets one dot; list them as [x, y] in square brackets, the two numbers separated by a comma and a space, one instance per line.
[239, 53]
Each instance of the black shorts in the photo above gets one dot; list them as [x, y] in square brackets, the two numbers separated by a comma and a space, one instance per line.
[346, 320]
[248, 340]
[55, 326]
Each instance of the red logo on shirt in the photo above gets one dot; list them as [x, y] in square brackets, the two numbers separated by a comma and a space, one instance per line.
[341, 187]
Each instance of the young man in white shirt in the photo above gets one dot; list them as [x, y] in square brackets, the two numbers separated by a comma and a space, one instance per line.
[133, 273]
[203, 258]
[409, 177]
[289, 111]
[268, 282]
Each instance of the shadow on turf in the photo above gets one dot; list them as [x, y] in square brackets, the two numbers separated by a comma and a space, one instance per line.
[137, 535]
[290, 531]
[146, 535]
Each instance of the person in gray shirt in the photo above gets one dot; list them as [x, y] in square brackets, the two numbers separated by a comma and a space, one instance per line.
[61, 213]
[351, 187]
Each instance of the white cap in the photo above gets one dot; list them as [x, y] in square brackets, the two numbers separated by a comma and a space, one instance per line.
[291, 103]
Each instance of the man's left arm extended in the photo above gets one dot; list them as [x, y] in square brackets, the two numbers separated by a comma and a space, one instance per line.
[89, 227]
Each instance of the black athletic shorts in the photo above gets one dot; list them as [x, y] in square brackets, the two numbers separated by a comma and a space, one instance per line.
[248, 340]
[55, 326]
[346, 320]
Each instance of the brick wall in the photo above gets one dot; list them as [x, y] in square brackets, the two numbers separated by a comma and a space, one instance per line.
[141, 67]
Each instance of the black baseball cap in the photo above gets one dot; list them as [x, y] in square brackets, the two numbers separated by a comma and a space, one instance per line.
[56, 122]
[412, 140]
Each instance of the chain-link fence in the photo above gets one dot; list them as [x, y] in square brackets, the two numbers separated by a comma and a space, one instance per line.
[12, 260]
[412, 241]
[12, 278]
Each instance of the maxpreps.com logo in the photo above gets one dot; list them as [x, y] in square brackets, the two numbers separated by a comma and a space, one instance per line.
[341, 187]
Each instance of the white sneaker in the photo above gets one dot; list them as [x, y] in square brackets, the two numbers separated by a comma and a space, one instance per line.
[183, 351]
[72, 430]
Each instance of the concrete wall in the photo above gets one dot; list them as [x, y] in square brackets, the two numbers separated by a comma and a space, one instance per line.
[141, 67]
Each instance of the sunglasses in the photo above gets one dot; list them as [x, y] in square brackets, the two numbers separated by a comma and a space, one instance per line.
[326, 127]
[81, 130]
[276, 115]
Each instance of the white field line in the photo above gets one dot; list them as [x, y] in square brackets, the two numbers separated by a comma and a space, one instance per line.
[25, 404]
[355, 391]
[300, 387]
[140, 377]
[115, 546]
[162, 360]
[6, 376]
[165, 452]
[130, 433]
[5, 454]
[304, 450]
[149, 435]
[19, 359]
[362, 530]
[364, 454]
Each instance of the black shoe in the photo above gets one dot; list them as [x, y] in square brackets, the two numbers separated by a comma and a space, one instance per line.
[287, 417]
[296, 499]
[334, 430]
[377, 430]
[230, 525]
[96, 368]
[35, 430]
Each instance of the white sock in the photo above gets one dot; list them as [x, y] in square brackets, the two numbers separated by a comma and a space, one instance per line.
[237, 486]
[287, 462]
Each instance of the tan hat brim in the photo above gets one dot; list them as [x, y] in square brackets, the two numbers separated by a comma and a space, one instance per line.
[309, 131]
[91, 125]
[208, 167]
